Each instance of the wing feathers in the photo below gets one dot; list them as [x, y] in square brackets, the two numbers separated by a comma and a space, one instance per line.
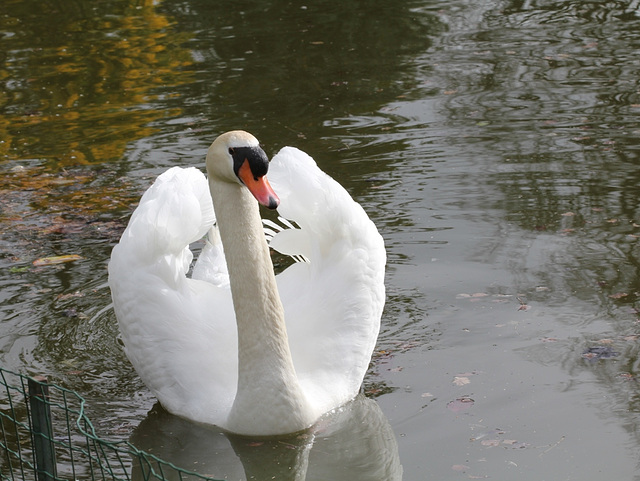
[332, 304]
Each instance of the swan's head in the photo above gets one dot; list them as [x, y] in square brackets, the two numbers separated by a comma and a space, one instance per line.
[236, 156]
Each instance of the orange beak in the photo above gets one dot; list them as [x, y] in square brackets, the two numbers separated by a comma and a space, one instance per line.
[258, 186]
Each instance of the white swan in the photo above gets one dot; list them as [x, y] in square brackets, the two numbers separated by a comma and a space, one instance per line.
[248, 351]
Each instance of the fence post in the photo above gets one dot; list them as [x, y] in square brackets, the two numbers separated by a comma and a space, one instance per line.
[43, 447]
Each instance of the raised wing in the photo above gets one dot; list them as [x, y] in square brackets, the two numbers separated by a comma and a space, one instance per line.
[333, 302]
[179, 333]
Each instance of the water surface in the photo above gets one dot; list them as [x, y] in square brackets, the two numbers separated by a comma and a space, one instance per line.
[494, 144]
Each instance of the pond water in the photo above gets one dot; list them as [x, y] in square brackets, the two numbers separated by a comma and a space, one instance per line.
[495, 144]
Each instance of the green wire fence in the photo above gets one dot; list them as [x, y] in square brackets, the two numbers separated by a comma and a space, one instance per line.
[46, 436]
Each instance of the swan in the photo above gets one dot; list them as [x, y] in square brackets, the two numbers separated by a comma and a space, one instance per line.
[233, 344]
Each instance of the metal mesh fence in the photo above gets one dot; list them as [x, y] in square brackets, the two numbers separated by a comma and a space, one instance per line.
[46, 436]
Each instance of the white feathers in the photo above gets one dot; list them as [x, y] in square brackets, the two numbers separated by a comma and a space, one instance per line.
[180, 332]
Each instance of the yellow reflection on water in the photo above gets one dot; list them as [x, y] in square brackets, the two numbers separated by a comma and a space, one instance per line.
[79, 84]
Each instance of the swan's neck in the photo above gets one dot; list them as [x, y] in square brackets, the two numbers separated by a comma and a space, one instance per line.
[269, 395]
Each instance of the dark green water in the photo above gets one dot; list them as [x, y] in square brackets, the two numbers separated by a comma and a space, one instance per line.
[495, 144]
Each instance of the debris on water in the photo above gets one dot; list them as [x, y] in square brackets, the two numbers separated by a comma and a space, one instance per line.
[490, 442]
[523, 304]
[494, 438]
[64, 297]
[599, 352]
[461, 380]
[18, 270]
[619, 295]
[461, 404]
[55, 260]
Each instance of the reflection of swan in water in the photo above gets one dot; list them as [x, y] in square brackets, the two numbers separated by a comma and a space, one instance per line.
[355, 443]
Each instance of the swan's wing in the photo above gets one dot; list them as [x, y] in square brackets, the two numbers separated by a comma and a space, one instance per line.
[211, 265]
[333, 302]
[178, 333]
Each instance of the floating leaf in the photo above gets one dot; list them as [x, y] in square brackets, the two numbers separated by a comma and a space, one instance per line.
[619, 295]
[17, 270]
[460, 380]
[64, 297]
[523, 305]
[490, 442]
[50, 261]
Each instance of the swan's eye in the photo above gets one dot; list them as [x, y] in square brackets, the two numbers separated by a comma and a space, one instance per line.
[231, 151]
